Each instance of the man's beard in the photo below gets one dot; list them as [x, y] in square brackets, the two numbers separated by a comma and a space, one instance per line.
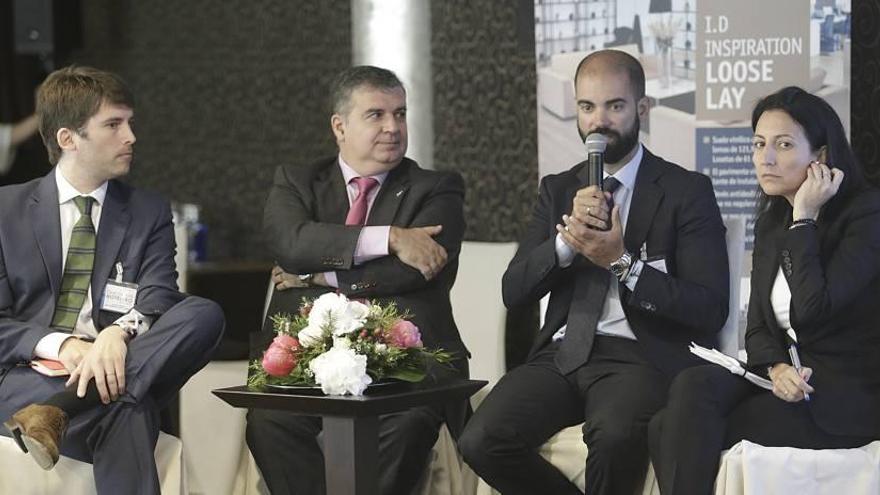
[619, 145]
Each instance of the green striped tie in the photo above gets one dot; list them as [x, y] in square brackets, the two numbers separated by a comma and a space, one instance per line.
[77, 269]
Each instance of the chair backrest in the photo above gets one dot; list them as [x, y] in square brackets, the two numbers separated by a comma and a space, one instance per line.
[478, 307]
[729, 339]
[20, 474]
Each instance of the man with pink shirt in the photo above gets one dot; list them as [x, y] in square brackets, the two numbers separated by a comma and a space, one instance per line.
[371, 224]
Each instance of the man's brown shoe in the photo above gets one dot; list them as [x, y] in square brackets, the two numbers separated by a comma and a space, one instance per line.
[37, 429]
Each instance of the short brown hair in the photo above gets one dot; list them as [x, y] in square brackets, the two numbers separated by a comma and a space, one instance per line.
[69, 97]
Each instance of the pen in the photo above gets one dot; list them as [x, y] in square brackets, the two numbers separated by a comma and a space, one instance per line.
[795, 359]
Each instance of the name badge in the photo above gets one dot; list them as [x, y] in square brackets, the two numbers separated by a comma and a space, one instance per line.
[119, 296]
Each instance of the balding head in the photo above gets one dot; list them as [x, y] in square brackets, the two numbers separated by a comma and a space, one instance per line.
[614, 62]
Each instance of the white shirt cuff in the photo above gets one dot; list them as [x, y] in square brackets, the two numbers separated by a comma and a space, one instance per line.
[633, 276]
[372, 243]
[134, 323]
[49, 346]
[564, 253]
[330, 278]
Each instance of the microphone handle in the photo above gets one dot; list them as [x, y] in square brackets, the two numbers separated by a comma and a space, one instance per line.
[595, 169]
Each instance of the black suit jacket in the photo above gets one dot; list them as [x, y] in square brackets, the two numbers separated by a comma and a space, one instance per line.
[834, 276]
[673, 213]
[135, 229]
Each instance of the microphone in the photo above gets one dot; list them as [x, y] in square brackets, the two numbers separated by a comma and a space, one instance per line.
[596, 158]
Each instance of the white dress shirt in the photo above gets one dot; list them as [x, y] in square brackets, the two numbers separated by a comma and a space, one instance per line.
[612, 319]
[780, 301]
[49, 346]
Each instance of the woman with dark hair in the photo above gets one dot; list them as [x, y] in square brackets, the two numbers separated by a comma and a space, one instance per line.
[816, 277]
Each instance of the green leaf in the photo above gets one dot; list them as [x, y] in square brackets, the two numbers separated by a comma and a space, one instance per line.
[407, 375]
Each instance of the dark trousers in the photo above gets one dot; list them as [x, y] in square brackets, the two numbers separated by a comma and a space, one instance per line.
[287, 450]
[614, 395]
[119, 439]
[710, 410]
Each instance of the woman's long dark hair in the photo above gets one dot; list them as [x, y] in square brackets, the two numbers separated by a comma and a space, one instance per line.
[822, 127]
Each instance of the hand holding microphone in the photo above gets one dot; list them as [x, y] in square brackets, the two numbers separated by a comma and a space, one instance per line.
[596, 144]
[590, 205]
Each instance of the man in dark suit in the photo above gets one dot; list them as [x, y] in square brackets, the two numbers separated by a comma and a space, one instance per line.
[625, 300]
[371, 224]
[87, 278]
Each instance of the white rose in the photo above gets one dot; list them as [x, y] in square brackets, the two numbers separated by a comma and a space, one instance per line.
[346, 316]
[341, 371]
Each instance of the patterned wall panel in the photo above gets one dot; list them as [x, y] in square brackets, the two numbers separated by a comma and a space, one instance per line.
[226, 91]
[485, 124]
[866, 85]
[485, 111]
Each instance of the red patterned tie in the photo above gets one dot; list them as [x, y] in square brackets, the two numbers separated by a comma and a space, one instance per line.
[357, 215]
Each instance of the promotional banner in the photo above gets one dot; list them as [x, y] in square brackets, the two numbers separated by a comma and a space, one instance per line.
[742, 56]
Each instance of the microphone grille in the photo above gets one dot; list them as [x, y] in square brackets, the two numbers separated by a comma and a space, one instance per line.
[596, 143]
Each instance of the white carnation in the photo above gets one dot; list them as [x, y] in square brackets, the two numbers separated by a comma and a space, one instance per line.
[346, 316]
[341, 371]
[310, 335]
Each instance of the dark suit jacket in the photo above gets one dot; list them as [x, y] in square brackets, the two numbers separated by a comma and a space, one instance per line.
[674, 214]
[304, 223]
[834, 276]
[135, 229]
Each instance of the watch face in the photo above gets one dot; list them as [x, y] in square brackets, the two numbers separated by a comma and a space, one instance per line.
[619, 266]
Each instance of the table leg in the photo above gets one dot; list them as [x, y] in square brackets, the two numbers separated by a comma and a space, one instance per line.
[351, 448]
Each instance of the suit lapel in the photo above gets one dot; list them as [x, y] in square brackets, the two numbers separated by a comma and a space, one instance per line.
[646, 198]
[332, 196]
[390, 196]
[46, 222]
[113, 225]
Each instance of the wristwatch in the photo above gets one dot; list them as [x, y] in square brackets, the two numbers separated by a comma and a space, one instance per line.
[620, 266]
[306, 278]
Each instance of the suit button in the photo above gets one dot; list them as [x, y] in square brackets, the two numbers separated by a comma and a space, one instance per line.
[786, 252]
[648, 306]
[354, 286]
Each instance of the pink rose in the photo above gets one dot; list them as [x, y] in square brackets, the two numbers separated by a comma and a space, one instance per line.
[404, 334]
[286, 342]
[278, 361]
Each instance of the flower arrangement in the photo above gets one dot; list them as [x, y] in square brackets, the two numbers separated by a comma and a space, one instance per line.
[664, 31]
[343, 346]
